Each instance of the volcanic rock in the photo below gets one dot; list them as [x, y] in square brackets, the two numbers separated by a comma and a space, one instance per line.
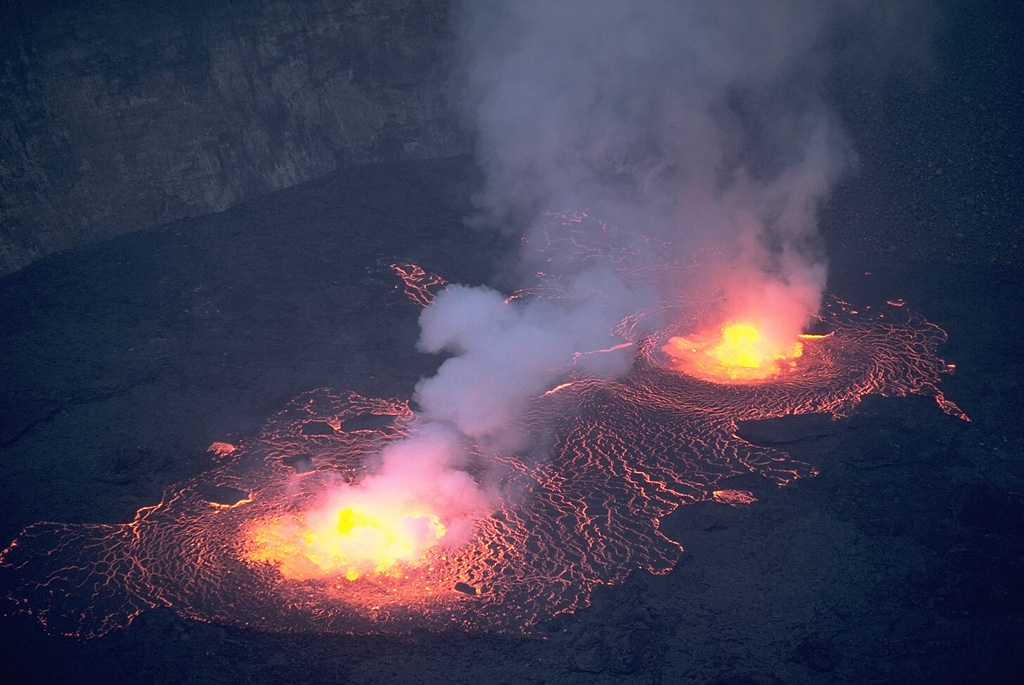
[120, 120]
[787, 429]
[222, 494]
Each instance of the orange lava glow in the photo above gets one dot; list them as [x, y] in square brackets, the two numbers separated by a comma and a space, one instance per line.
[737, 353]
[733, 497]
[348, 541]
[419, 285]
[287, 533]
[221, 449]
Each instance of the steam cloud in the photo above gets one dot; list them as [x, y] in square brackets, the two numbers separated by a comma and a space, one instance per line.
[698, 129]
[694, 127]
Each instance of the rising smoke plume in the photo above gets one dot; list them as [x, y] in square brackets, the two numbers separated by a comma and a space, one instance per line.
[697, 129]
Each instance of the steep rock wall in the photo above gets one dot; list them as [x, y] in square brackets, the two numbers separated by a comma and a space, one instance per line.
[116, 115]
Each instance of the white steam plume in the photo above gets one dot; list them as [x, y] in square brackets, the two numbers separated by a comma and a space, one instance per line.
[694, 126]
[697, 123]
[697, 127]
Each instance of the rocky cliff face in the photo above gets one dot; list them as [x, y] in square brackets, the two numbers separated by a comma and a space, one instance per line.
[119, 115]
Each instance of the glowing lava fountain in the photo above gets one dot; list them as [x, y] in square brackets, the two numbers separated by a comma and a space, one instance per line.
[350, 540]
[738, 353]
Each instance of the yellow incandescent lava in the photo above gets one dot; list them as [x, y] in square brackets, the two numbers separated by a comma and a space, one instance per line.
[738, 353]
[347, 541]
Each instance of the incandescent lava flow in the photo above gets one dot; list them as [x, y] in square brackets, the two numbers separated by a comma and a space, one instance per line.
[737, 353]
[289, 532]
[350, 539]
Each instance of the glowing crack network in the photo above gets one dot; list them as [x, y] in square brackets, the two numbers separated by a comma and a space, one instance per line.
[619, 456]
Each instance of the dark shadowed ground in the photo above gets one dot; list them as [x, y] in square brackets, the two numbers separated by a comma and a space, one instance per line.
[903, 561]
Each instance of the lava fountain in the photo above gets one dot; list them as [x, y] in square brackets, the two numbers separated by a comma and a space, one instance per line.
[386, 524]
[351, 539]
[737, 353]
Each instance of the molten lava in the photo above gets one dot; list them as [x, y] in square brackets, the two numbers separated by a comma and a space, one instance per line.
[738, 353]
[618, 457]
[351, 541]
